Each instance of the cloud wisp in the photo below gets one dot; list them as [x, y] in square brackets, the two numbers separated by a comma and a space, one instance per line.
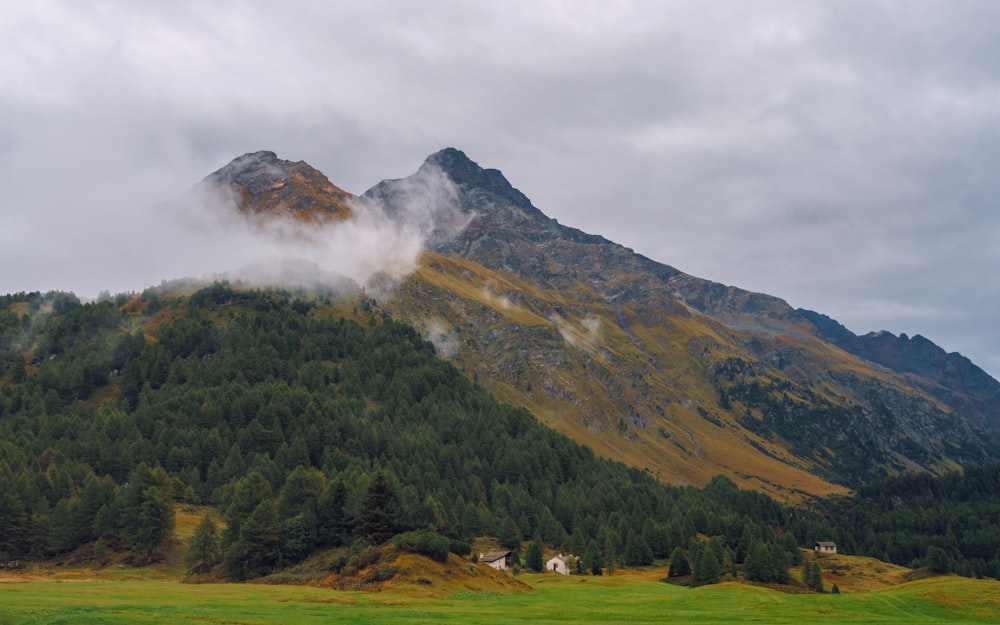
[379, 241]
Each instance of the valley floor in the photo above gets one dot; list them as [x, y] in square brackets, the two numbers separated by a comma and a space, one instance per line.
[553, 599]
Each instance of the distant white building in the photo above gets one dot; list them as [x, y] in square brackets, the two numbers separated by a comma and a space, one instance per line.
[560, 564]
[825, 547]
[500, 560]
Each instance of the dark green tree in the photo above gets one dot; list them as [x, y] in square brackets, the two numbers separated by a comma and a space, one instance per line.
[509, 535]
[297, 539]
[707, 568]
[758, 567]
[679, 565]
[258, 548]
[146, 508]
[937, 560]
[779, 562]
[204, 550]
[637, 551]
[380, 512]
[533, 556]
[332, 527]
[813, 576]
[592, 559]
[301, 491]
[610, 556]
[250, 492]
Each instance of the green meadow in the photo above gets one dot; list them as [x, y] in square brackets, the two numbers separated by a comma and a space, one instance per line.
[553, 600]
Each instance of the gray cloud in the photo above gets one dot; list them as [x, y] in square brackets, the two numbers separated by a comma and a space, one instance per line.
[838, 154]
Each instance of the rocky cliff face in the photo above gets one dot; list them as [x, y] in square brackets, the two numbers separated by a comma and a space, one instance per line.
[509, 233]
[679, 376]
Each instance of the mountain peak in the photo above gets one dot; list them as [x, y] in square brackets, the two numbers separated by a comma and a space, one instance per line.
[268, 185]
[464, 171]
[248, 165]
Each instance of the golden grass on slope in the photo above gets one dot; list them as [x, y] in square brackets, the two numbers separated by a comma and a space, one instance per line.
[857, 573]
[475, 283]
[590, 364]
[423, 577]
[187, 517]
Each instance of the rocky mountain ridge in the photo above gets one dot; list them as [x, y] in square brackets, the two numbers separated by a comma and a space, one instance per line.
[680, 376]
[270, 188]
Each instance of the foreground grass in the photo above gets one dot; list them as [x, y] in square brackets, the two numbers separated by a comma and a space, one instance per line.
[555, 600]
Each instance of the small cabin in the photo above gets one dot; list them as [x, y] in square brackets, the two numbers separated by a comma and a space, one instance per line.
[825, 547]
[500, 560]
[559, 564]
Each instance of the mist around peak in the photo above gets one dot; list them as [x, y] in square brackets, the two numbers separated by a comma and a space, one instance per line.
[204, 234]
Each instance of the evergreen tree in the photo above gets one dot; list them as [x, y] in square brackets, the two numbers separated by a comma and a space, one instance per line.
[729, 563]
[250, 492]
[380, 512]
[258, 548]
[509, 536]
[679, 565]
[533, 556]
[203, 552]
[592, 559]
[610, 556]
[332, 529]
[779, 564]
[758, 566]
[297, 539]
[707, 568]
[145, 508]
[937, 560]
[813, 577]
[637, 551]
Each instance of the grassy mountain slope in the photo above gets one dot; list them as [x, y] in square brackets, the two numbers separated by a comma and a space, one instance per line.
[676, 375]
[664, 370]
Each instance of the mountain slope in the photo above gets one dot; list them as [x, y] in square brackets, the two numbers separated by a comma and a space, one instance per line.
[319, 428]
[667, 371]
[950, 377]
[681, 376]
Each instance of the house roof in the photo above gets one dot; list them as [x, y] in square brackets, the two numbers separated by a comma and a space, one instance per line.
[825, 543]
[493, 556]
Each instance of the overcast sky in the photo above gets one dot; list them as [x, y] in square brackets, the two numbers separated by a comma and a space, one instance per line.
[841, 155]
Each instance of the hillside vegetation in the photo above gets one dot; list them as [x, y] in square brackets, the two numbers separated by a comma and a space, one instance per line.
[310, 431]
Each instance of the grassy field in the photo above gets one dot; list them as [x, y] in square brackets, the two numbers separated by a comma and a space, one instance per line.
[555, 600]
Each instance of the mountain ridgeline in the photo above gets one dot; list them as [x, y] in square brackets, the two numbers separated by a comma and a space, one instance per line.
[683, 376]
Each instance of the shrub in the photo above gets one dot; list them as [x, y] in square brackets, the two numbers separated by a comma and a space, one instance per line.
[425, 542]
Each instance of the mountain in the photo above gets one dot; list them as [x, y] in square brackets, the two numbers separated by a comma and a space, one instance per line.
[270, 188]
[950, 377]
[679, 376]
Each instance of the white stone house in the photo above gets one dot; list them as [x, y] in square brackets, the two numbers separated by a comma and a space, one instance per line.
[559, 564]
[825, 547]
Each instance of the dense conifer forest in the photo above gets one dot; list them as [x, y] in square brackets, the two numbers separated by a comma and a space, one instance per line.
[308, 430]
[949, 523]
